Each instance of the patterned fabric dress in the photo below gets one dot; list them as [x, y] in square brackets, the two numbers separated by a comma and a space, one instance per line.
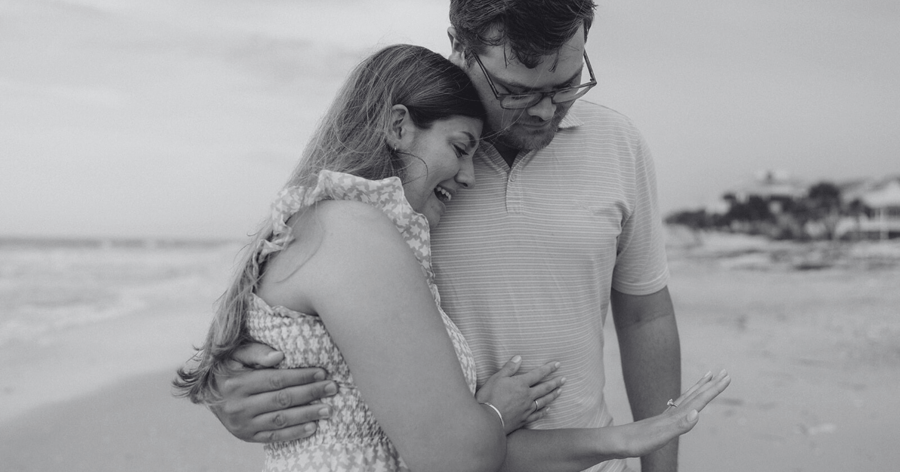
[350, 439]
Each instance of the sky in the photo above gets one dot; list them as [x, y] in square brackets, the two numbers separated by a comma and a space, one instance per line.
[183, 118]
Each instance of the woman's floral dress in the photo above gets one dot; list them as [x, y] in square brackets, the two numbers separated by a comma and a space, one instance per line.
[350, 439]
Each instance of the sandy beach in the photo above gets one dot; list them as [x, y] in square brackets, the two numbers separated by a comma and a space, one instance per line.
[813, 354]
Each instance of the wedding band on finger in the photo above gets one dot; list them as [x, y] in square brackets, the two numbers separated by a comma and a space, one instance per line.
[671, 403]
[536, 407]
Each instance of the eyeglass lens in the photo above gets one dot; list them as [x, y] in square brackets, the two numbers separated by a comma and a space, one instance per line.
[529, 99]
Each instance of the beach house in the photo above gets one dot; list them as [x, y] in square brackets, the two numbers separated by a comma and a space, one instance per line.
[875, 209]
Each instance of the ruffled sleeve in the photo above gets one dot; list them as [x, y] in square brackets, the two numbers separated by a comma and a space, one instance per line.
[386, 195]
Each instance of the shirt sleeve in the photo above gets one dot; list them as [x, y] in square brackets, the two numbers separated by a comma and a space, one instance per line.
[641, 265]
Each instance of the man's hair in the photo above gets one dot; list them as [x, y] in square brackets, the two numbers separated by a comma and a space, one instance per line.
[531, 28]
[351, 138]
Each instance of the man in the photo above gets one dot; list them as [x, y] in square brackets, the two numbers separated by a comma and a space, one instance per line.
[562, 223]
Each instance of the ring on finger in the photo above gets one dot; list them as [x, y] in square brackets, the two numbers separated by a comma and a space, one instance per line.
[536, 406]
[671, 403]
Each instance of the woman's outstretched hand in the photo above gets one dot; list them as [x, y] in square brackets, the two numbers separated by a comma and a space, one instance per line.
[523, 398]
[643, 437]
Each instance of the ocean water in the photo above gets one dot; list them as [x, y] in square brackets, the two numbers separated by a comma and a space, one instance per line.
[50, 286]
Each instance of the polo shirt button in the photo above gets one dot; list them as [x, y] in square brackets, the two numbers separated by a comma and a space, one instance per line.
[512, 178]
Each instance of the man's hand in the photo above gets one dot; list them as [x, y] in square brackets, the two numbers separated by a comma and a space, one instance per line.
[262, 404]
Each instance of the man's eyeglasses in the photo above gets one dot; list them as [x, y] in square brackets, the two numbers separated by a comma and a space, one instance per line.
[515, 101]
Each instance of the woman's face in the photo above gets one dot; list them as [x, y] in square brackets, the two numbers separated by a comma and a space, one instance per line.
[439, 163]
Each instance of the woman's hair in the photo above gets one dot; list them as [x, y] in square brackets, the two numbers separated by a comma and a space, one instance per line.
[351, 138]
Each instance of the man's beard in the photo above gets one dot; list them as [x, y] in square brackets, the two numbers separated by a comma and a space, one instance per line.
[519, 138]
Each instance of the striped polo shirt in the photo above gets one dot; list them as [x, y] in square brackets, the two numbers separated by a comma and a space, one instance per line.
[525, 260]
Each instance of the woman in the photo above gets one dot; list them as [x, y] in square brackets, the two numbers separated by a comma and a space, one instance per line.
[345, 262]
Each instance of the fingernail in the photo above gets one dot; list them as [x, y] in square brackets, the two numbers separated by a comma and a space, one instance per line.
[309, 428]
[562, 381]
[275, 355]
[556, 365]
[331, 389]
[723, 372]
[319, 375]
[517, 358]
[707, 374]
[324, 413]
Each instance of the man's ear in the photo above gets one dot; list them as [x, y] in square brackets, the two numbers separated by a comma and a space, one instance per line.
[400, 128]
[457, 50]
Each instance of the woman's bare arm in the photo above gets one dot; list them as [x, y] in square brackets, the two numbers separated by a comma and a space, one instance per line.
[572, 449]
[370, 291]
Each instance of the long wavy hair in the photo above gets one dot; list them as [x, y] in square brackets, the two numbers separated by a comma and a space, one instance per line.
[350, 138]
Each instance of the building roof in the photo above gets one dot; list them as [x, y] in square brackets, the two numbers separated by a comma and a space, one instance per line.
[769, 184]
[887, 195]
[874, 193]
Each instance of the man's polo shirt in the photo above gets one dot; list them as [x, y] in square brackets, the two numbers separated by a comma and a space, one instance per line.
[526, 259]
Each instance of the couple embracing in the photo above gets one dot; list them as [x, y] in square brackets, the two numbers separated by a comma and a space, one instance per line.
[419, 321]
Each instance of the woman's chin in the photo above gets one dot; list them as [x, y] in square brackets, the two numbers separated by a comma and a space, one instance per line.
[433, 213]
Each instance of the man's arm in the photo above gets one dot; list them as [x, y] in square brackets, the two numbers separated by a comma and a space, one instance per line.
[263, 404]
[651, 362]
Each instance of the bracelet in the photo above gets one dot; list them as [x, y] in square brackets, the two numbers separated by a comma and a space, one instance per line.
[502, 423]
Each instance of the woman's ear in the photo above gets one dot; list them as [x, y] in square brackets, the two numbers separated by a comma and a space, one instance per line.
[400, 128]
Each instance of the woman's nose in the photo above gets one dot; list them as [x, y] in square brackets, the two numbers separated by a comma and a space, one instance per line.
[466, 175]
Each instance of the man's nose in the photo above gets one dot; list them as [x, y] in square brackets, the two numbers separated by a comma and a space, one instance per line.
[543, 109]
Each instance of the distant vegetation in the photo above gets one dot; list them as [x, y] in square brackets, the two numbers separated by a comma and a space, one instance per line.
[813, 216]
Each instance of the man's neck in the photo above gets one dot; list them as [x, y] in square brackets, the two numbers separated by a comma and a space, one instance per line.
[507, 153]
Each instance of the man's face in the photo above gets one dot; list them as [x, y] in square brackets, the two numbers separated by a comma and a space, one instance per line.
[530, 128]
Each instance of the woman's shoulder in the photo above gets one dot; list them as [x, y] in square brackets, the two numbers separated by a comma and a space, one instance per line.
[328, 241]
[334, 230]
[345, 218]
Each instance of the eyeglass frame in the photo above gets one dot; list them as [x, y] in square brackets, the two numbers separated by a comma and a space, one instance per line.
[500, 96]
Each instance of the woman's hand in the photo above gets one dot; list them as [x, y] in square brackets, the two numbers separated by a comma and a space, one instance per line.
[523, 398]
[643, 437]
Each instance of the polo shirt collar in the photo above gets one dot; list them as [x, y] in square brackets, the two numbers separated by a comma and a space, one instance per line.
[570, 120]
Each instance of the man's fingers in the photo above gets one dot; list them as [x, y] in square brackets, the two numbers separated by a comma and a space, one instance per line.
[287, 434]
[271, 380]
[306, 394]
[251, 417]
[293, 423]
[276, 401]
[257, 355]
